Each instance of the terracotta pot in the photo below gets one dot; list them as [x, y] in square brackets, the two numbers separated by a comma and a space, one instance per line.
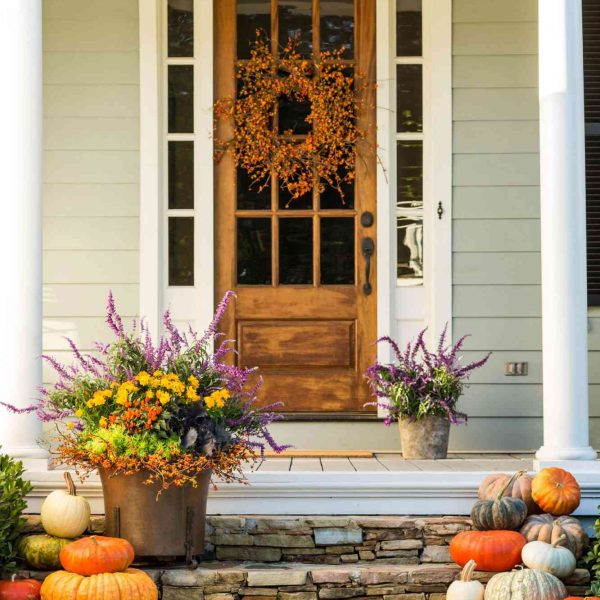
[426, 438]
[166, 526]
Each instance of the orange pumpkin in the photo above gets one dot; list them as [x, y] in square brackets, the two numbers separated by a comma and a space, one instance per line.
[556, 491]
[494, 551]
[97, 554]
[104, 586]
[520, 488]
[20, 589]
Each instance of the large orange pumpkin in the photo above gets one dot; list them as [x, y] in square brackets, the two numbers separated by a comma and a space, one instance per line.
[494, 551]
[97, 554]
[556, 491]
[129, 585]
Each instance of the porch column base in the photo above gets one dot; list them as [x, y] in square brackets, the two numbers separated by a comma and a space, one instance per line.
[575, 466]
[548, 454]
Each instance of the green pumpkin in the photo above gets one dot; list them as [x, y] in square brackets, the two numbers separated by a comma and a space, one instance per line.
[525, 584]
[42, 551]
[503, 512]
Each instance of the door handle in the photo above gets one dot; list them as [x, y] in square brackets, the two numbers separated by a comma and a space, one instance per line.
[368, 249]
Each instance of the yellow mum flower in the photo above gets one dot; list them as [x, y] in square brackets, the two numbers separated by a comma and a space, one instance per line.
[103, 422]
[143, 378]
[193, 381]
[163, 397]
[70, 425]
[79, 413]
[157, 373]
[192, 395]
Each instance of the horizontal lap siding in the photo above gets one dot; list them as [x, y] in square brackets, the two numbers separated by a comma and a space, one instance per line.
[496, 233]
[91, 167]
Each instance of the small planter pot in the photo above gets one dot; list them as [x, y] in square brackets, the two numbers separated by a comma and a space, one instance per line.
[169, 526]
[426, 438]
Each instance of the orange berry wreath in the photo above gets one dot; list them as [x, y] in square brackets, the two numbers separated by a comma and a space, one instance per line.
[331, 94]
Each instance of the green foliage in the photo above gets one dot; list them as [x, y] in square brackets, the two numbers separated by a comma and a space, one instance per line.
[592, 560]
[13, 490]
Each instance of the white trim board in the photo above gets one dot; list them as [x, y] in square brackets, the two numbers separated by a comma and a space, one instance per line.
[330, 493]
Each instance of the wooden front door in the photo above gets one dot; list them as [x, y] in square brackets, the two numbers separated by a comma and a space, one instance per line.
[305, 313]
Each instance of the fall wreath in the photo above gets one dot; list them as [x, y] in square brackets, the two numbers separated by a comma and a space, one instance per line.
[330, 93]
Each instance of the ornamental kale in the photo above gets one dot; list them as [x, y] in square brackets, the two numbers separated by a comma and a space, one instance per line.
[422, 383]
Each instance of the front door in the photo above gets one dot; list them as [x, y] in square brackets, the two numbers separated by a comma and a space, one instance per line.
[306, 293]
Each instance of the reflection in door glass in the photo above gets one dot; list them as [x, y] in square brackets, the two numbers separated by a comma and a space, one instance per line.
[410, 248]
[295, 22]
[292, 116]
[295, 251]
[180, 23]
[337, 26]
[337, 251]
[252, 15]
[409, 37]
[409, 98]
[249, 194]
[181, 175]
[331, 199]
[181, 99]
[254, 251]
[181, 250]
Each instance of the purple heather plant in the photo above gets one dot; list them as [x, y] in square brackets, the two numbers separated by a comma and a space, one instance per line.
[421, 383]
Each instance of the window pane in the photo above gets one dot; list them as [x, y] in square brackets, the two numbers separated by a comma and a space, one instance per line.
[409, 98]
[181, 99]
[295, 251]
[301, 203]
[295, 22]
[337, 26]
[252, 15]
[292, 116]
[331, 198]
[409, 28]
[254, 251]
[410, 209]
[181, 174]
[249, 194]
[337, 251]
[180, 19]
[181, 250]
[410, 248]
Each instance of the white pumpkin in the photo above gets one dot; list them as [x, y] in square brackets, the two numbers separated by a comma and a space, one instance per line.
[550, 558]
[465, 588]
[65, 514]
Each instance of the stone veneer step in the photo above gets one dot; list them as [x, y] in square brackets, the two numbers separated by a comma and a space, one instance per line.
[300, 581]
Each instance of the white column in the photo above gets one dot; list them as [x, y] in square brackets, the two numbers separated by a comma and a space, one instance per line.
[20, 221]
[564, 285]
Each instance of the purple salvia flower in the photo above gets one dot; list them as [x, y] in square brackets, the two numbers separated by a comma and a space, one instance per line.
[113, 318]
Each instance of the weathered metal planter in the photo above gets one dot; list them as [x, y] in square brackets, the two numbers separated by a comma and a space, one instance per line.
[169, 526]
[426, 438]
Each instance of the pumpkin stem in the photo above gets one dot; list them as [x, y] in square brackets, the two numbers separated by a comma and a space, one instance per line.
[557, 542]
[509, 483]
[70, 484]
[13, 577]
[467, 573]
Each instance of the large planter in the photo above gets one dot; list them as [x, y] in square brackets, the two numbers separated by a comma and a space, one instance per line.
[168, 526]
[426, 438]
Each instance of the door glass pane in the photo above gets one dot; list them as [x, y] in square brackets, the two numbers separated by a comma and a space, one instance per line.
[409, 36]
[295, 22]
[337, 251]
[302, 203]
[337, 26]
[181, 99]
[249, 194]
[409, 96]
[295, 251]
[181, 174]
[181, 250]
[252, 15]
[254, 251]
[292, 116]
[180, 22]
[410, 209]
[331, 198]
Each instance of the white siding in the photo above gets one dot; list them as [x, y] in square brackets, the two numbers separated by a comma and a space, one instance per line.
[91, 167]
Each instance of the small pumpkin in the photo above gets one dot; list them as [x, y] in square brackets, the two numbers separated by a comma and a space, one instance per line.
[465, 588]
[551, 558]
[20, 589]
[97, 554]
[519, 488]
[41, 551]
[525, 584]
[545, 528]
[503, 512]
[64, 513]
[556, 491]
[494, 551]
[132, 584]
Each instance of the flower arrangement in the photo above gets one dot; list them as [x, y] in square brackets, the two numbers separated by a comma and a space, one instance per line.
[173, 409]
[326, 155]
[422, 383]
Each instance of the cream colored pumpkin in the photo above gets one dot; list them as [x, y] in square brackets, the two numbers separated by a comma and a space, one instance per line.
[465, 588]
[551, 558]
[525, 584]
[64, 513]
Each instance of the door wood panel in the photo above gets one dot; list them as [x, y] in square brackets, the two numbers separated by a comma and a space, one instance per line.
[301, 313]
